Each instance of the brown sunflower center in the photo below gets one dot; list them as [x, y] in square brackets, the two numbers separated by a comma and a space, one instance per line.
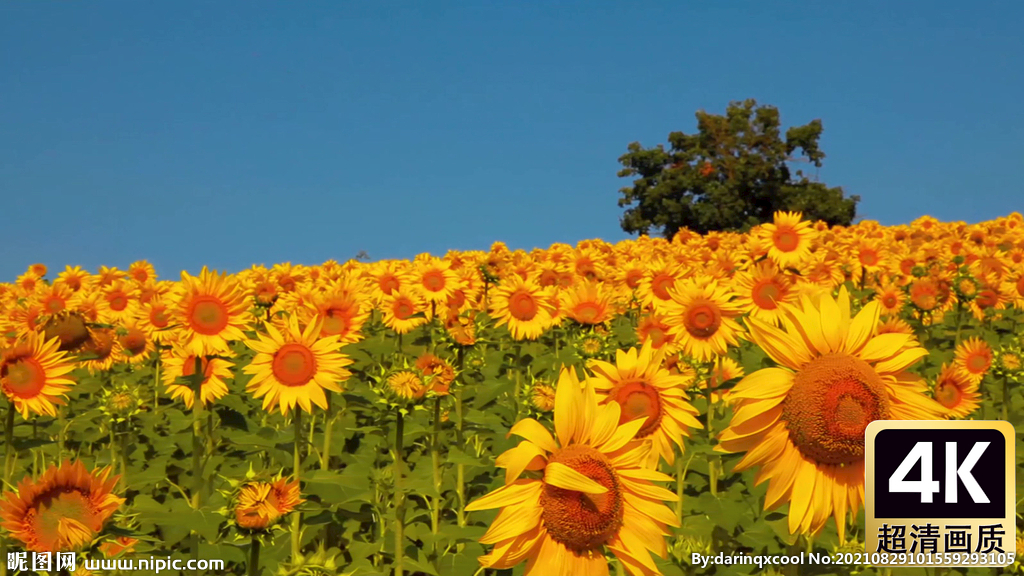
[657, 336]
[59, 517]
[24, 378]
[100, 343]
[522, 306]
[786, 239]
[832, 401]
[69, 328]
[118, 301]
[587, 312]
[294, 364]
[388, 283]
[433, 281]
[978, 363]
[639, 399]
[766, 294]
[948, 394]
[660, 285]
[987, 298]
[207, 315]
[583, 522]
[134, 341]
[889, 300]
[403, 309]
[702, 320]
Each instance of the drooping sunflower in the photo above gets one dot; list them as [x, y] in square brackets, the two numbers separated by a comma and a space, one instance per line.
[586, 493]
[63, 510]
[99, 352]
[34, 375]
[803, 422]
[703, 318]
[178, 363]
[210, 311]
[295, 367]
[259, 505]
[789, 239]
[956, 392]
[523, 306]
[644, 388]
[973, 358]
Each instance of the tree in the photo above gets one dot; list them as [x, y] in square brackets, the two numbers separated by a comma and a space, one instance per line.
[732, 174]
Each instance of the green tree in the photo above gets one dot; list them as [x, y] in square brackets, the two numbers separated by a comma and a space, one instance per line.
[734, 173]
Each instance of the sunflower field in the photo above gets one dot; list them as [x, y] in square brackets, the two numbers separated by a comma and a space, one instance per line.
[570, 411]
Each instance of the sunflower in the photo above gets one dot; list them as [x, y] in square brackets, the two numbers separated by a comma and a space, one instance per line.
[404, 310]
[890, 298]
[956, 392]
[74, 278]
[405, 385]
[644, 388]
[789, 239]
[341, 309]
[584, 494]
[434, 279]
[723, 370]
[63, 510]
[803, 422]
[100, 351]
[136, 346]
[973, 358]
[542, 396]
[54, 298]
[702, 318]
[118, 301]
[33, 375]
[294, 368]
[387, 277]
[154, 318]
[211, 311]
[141, 272]
[69, 328]
[761, 290]
[660, 277]
[259, 505]
[587, 303]
[653, 328]
[179, 364]
[523, 306]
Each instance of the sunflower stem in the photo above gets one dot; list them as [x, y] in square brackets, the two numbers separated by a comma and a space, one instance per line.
[9, 442]
[435, 460]
[325, 454]
[712, 460]
[60, 434]
[197, 446]
[1006, 398]
[156, 382]
[399, 496]
[296, 472]
[253, 569]
[959, 324]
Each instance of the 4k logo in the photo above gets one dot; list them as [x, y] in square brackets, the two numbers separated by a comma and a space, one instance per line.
[922, 452]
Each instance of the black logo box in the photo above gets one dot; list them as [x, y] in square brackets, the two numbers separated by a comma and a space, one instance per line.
[893, 446]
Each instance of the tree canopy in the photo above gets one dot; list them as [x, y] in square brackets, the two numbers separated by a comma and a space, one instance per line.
[734, 173]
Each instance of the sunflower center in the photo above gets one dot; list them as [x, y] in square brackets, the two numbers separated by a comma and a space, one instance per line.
[70, 328]
[868, 257]
[118, 301]
[404, 309]
[633, 278]
[24, 378]
[660, 285]
[766, 295]
[1020, 286]
[948, 394]
[54, 305]
[587, 312]
[388, 284]
[335, 322]
[889, 300]
[50, 515]
[977, 363]
[583, 522]
[522, 306]
[134, 341]
[703, 320]
[294, 364]
[158, 317]
[548, 278]
[100, 343]
[832, 401]
[638, 399]
[657, 336]
[786, 239]
[208, 315]
[433, 281]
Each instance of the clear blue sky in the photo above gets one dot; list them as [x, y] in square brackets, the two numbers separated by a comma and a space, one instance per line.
[229, 133]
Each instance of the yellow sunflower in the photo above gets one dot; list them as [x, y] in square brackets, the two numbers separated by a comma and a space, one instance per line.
[341, 309]
[33, 375]
[644, 388]
[803, 422]
[210, 310]
[294, 368]
[434, 279]
[586, 493]
[404, 310]
[761, 290]
[523, 306]
[974, 358]
[789, 239]
[890, 298]
[261, 504]
[63, 510]
[956, 392]
[703, 319]
[177, 364]
[587, 303]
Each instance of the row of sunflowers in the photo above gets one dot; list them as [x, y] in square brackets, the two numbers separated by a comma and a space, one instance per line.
[569, 411]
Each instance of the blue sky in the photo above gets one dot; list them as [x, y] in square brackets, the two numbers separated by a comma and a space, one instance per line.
[237, 132]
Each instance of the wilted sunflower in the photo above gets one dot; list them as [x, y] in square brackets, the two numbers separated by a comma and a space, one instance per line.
[593, 493]
[803, 422]
[259, 505]
[33, 375]
[439, 372]
[63, 510]
[956, 392]
[211, 311]
[644, 388]
[295, 367]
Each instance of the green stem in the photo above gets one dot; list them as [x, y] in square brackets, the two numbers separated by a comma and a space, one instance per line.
[460, 469]
[197, 446]
[712, 459]
[1006, 398]
[253, 569]
[156, 383]
[399, 496]
[435, 458]
[10, 456]
[60, 434]
[297, 472]
[325, 454]
[959, 324]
